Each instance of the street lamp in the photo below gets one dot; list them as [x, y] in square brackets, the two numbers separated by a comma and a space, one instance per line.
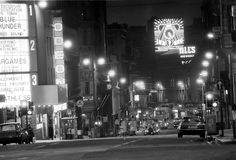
[160, 89]
[122, 80]
[101, 61]
[203, 73]
[43, 4]
[205, 63]
[181, 85]
[209, 55]
[68, 44]
[210, 35]
[111, 73]
[209, 96]
[91, 62]
[86, 61]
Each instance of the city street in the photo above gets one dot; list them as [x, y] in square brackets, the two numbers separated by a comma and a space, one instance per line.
[164, 146]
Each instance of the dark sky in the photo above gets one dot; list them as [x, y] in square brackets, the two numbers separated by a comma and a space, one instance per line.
[138, 12]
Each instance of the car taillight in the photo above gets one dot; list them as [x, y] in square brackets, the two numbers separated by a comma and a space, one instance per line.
[183, 126]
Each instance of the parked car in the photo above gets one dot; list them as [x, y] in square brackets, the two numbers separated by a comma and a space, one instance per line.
[176, 123]
[12, 133]
[191, 126]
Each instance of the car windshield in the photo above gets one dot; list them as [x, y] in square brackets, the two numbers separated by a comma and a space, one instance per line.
[10, 127]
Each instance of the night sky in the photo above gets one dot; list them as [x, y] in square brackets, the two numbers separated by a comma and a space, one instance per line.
[138, 12]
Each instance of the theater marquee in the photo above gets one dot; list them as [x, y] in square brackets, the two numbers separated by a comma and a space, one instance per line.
[13, 20]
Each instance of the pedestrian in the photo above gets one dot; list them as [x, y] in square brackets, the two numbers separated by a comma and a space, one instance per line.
[30, 131]
[124, 128]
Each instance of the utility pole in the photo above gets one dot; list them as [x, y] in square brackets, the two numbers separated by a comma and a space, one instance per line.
[78, 110]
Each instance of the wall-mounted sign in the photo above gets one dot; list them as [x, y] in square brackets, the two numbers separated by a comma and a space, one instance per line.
[13, 20]
[16, 87]
[14, 55]
[168, 34]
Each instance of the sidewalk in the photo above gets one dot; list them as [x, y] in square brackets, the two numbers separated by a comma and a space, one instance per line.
[227, 138]
[85, 138]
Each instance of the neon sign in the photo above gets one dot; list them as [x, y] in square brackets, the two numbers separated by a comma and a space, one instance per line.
[186, 53]
[13, 20]
[168, 34]
[59, 51]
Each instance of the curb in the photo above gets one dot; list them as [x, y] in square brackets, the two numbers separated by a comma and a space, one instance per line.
[225, 140]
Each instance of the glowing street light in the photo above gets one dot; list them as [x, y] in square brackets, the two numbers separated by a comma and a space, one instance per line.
[68, 44]
[111, 73]
[204, 73]
[200, 81]
[209, 55]
[205, 63]
[210, 35]
[209, 96]
[101, 61]
[43, 4]
[86, 61]
[122, 80]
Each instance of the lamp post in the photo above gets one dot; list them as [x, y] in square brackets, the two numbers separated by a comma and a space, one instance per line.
[201, 81]
[181, 86]
[92, 64]
[209, 96]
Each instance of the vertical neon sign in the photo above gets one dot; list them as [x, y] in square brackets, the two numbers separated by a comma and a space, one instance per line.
[58, 51]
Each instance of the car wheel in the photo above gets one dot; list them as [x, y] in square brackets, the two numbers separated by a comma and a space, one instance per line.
[202, 135]
[20, 141]
[180, 135]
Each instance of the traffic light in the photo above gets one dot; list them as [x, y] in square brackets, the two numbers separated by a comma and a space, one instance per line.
[30, 108]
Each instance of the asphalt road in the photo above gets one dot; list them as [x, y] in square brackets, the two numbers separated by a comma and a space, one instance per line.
[162, 147]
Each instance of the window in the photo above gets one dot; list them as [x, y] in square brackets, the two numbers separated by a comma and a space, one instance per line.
[8, 128]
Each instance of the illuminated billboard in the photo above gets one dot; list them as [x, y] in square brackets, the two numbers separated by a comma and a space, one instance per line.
[14, 55]
[13, 20]
[168, 34]
[15, 87]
